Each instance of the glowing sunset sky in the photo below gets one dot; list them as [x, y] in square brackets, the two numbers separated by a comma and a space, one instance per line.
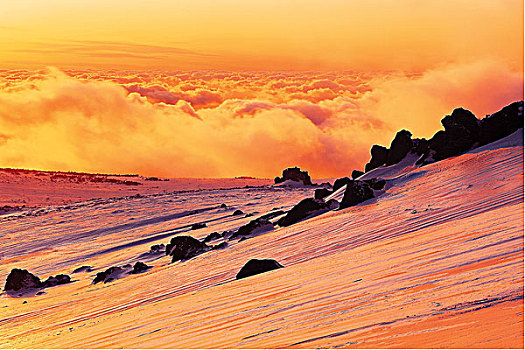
[132, 77]
[259, 34]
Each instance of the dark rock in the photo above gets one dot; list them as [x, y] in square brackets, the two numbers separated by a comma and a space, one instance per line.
[379, 157]
[157, 248]
[461, 134]
[320, 193]
[376, 184]
[400, 146]
[272, 214]
[501, 123]
[356, 174]
[185, 247]
[223, 206]
[19, 279]
[212, 236]
[198, 226]
[355, 193]
[220, 246]
[108, 275]
[303, 209]
[238, 212]
[256, 266]
[420, 146]
[255, 226]
[341, 182]
[56, 280]
[84, 268]
[295, 174]
[277, 180]
[140, 267]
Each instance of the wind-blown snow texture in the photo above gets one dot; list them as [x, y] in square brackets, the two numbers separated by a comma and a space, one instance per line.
[435, 261]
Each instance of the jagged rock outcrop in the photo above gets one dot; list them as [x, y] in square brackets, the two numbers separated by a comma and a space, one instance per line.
[355, 193]
[356, 174]
[338, 183]
[185, 247]
[320, 193]
[294, 174]
[379, 157]
[400, 146]
[502, 123]
[305, 208]
[21, 280]
[256, 266]
[462, 132]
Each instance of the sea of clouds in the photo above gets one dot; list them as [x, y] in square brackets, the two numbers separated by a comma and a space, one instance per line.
[226, 124]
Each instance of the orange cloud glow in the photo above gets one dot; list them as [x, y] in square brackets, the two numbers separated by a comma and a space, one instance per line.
[220, 124]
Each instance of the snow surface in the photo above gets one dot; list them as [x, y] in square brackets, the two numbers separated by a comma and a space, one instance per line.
[435, 262]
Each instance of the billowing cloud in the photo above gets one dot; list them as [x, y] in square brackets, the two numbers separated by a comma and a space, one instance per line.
[224, 124]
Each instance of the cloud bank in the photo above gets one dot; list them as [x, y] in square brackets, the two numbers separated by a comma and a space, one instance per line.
[225, 124]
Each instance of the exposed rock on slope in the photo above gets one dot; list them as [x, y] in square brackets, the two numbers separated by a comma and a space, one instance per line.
[294, 174]
[256, 266]
[20, 279]
[462, 131]
[185, 247]
[355, 193]
[305, 208]
[259, 225]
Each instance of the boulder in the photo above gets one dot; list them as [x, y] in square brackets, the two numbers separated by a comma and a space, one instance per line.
[462, 131]
[185, 247]
[157, 248]
[294, 174]
[400, 146]
[220, 246]
[320, 193]
[302, 210]
[272, 214]
[356, 174]
[501, 123]
[198, 226]
[253, 227]
[19, 280]
[376, 184]
[341, 182]
[56, 280]
[238, 212]
[108, 275]
[379, 157]
[84, 268]
[256, 266]
[420, 146]
[355, 193]
[212, 236]
[140, 267]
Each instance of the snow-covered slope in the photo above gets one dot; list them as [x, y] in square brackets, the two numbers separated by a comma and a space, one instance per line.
[436, 261]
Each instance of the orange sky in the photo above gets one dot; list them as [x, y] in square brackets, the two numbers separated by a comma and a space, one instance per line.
[223, 88]
[259, 34]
